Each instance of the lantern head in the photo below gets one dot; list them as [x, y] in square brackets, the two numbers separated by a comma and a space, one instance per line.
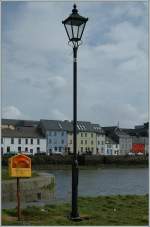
[74, 25]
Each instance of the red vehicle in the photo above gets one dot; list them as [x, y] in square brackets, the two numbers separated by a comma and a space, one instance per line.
[138, 148]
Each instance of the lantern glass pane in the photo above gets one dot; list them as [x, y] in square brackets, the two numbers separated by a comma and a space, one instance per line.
[75, 31]
[69, 31]
[81, 28]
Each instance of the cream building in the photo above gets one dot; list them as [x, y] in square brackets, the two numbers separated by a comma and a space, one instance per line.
[86, 138]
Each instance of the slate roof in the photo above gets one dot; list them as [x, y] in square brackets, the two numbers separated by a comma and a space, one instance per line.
[51, 125]
[19, 123]
[111, 132]
[22, 132]
[98, 129]
[143, 132]
[82, 126]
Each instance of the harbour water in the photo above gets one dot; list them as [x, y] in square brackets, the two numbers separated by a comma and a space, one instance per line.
[94, 182]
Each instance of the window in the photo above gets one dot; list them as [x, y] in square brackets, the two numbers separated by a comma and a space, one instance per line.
[31, 151]
[50, 133]
[26, 149]
[62, 141]
[81, 134]
[62, 133]
[12, 140]
[19, 141]
[85, 134]
[55, 148]
[38, 141]
[50, 141]
[98, 143]
[91, 142]
[85, 141]
[55, 134]
[2, 150]
[102, 142]
[70, 141]
[26, 141]
[19, 149]
[1, 140]
[38, 149]
[8, 149]
[81, 141]
[92, 135]
[60, 149]
[31, 141]
[81, 149]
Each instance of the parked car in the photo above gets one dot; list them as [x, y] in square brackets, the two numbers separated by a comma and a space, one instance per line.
[130, 153]
[139, 153]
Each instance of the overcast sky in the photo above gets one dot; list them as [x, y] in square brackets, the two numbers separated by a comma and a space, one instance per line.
[37, 71]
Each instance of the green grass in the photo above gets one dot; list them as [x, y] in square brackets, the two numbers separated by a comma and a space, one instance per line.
[102, 210]
[5, 175]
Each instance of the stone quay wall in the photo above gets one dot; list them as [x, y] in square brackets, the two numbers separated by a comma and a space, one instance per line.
[31, 189]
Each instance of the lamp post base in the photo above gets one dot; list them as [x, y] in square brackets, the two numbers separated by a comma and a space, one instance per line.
[75, 218]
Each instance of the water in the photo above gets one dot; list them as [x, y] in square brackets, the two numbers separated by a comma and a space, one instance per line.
[94, 182]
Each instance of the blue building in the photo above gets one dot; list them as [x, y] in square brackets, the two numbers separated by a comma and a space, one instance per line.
[56, 135]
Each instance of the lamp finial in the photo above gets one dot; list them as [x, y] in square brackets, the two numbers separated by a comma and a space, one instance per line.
[74, 9]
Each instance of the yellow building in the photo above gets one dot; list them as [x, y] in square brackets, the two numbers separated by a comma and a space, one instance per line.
[86, 139]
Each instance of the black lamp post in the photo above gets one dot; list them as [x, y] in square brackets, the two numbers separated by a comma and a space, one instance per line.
[74, 26]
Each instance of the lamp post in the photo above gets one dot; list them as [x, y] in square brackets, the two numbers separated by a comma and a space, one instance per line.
[74, 26]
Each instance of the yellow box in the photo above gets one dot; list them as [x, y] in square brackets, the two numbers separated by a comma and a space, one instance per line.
[19, 166]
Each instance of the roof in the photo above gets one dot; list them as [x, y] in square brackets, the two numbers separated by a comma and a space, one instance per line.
[112, 133]
[22, 132]
[143, 132]
[82, 126]
[98, 129]
[51, 125]
[17, 123]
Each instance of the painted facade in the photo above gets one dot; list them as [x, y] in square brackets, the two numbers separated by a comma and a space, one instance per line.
[111, 148]
[86, 142]
[56, 141]
[30, 146]
[100, 140]
[20, 136]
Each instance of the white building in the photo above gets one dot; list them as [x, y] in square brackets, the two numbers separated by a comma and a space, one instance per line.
[112, 146]
[100, 139]
[22, 139]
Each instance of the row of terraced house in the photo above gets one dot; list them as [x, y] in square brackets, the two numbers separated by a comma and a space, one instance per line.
[56, 137]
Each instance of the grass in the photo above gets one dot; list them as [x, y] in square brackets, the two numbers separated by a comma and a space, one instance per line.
[102, 210]
[5, 175]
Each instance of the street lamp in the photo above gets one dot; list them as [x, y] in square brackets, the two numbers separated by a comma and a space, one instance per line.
[74, 26]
